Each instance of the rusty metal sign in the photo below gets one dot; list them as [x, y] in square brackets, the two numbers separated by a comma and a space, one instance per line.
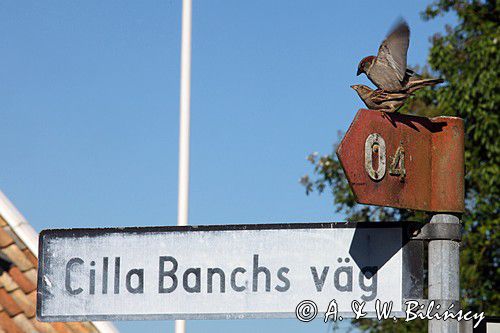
[404, 161]
[223, 272]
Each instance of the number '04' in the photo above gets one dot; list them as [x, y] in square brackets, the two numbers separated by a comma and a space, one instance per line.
[375, 149]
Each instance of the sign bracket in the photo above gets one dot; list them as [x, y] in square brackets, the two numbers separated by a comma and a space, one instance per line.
[436, 231]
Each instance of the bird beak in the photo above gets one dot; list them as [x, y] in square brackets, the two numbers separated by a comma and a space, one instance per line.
[359, 72]
[352, 87]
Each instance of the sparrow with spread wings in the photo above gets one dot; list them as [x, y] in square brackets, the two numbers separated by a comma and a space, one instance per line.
[388, 69]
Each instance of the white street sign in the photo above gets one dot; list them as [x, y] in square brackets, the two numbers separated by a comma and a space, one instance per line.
[234, 271]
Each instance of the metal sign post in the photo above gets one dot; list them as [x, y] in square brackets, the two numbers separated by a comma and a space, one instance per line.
[415, 163]
[444, 283]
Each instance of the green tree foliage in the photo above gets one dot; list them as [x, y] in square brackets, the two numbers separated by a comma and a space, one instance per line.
[468, 58]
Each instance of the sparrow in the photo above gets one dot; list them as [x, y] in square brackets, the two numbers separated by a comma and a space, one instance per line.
[379, 99]
[390, 101]
[388, 69]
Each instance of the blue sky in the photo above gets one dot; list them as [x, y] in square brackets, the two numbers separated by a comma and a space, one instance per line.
[89, 96]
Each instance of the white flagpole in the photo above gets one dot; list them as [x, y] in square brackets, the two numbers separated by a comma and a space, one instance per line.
[183, 199]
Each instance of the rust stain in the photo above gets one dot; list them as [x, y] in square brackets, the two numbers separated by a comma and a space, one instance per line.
[433, 175]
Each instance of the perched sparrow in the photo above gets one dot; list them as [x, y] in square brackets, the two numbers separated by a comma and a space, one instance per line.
[388, 69]
[379, 99]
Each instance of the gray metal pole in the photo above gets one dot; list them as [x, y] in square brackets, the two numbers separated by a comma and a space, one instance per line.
[444, 281]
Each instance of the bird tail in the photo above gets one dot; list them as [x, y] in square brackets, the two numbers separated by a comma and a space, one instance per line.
[415, 85]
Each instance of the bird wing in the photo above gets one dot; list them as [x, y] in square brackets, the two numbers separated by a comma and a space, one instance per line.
[380, 96]
[393, 50]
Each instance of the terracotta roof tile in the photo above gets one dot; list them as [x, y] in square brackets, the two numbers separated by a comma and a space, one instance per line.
[7, 282]
[17, 257]
[22, 281]
[43, 327]
[5, 239]
[28, 307]
[18, 279]
[61, 327]
[77, 327]
[24, 323]
[31, 257]
[14, 237]
[7, 324]
[9, 304]
[32, 296]
[31, 275]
